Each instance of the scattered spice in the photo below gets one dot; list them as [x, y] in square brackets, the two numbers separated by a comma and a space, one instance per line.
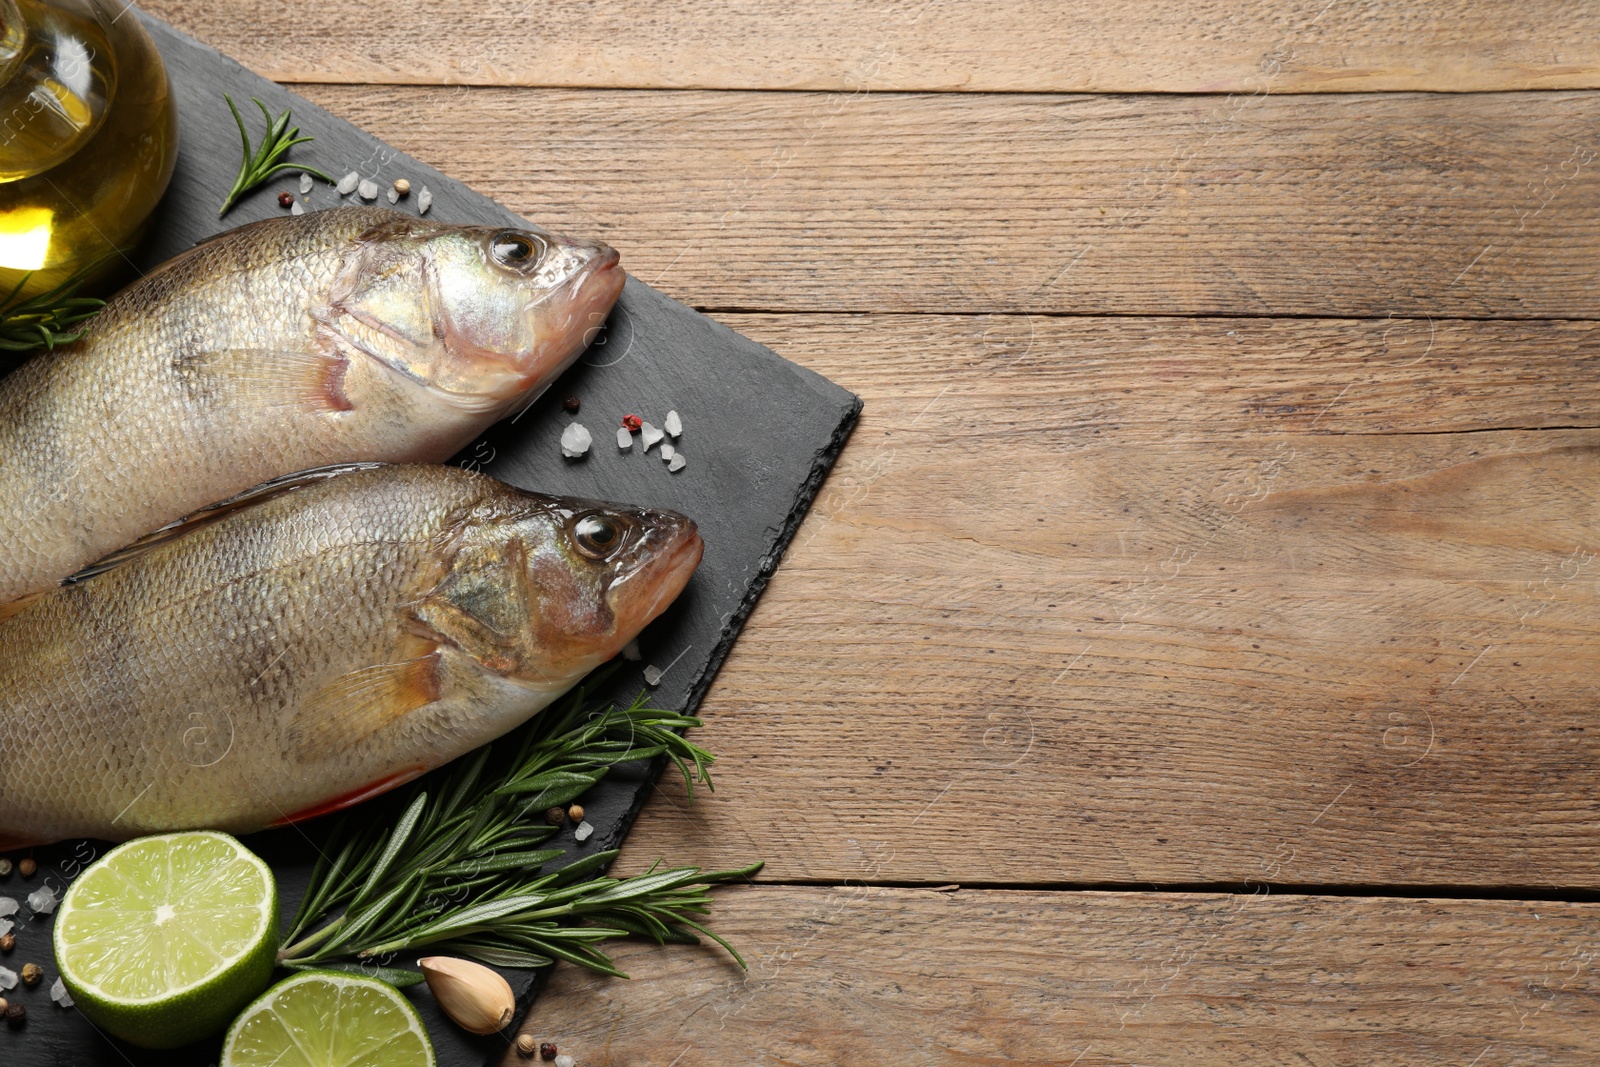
[582, 832]
[297, 209]
[566, 1061]
[652, 675]
[26, 867]
[393, 195]
[8, 978]
[16, 1015]
[632, 422]
[402, 187]
[547, 1051]
[674, 425]
[43, 900]
[677, 463]
[526, 1045]
[630, 651]
[555, 816]
[347, 184]
[424, 201]
[650, 435]
[305, 183]
[59, 994]
[575, 440]
[624, 438]
[31, 973]
[8, 942]
[286, 199]
[571, 404]
[667, 451]
[575, 813]
[367, 189]
[5, 868]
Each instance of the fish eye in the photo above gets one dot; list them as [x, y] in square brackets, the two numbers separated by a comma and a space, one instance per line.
[597, 536]
[516, 249]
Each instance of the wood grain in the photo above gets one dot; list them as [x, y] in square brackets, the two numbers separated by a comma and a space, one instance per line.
[963, 979]
[1175, 601]
[1479, 205]
[1079, 45]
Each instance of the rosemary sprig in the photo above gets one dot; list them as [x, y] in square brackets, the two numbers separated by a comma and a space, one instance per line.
[262, 164]
[459, 868]
[51, 318]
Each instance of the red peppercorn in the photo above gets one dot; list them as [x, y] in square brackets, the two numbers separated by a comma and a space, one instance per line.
[547, 1051]
[571, 404]
[286, 199]
[632, 422]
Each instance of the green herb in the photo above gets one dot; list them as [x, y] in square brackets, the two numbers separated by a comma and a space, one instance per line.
[260, 165]
[458, 869]
[53, 318]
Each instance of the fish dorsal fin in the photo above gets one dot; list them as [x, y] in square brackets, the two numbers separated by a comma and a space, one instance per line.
[209, 515]
[354, 706]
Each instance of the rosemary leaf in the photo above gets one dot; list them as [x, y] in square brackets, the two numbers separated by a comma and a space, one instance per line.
[264, 163]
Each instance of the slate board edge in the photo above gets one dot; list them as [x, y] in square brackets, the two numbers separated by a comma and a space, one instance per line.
[820, 466]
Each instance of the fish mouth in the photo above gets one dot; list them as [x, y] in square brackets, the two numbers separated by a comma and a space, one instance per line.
[671, 553]
[569, 319]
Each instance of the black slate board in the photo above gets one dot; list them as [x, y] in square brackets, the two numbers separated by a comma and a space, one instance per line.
[759, 435]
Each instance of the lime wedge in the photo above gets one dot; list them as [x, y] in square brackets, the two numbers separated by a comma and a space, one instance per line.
[328, 1019]
[164, 938]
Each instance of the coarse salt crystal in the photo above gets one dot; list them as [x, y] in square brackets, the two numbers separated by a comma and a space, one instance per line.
[6, 926]
[368, 189]
[674, 424]
[8, 906]
[652, 675]
[305, 182]
[582, 832]
[297, 208]
[566, 1061]
[630, 651]
[424, 201]
[651, 435]
[347, 184]
[575, 440]
[59, 994]
[42, 900]
[667, 451]
[394, 195]
[8, 978]
[624, 438]
[677, 464]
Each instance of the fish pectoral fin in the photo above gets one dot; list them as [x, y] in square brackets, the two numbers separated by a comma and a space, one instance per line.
[357, 705]
[279, 377]
[199, 520]
[16, 607]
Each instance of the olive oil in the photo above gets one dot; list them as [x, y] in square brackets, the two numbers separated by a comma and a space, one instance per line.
[88, 138]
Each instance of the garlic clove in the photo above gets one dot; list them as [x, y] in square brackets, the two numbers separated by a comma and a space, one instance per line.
[476, 998]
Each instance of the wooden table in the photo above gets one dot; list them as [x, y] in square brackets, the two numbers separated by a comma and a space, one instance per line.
[1192, 659]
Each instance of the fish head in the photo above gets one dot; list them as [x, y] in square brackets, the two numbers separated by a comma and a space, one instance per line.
[485, 317]
[541, 592]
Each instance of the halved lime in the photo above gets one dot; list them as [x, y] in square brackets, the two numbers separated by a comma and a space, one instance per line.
[163, 939]
[328, 1019]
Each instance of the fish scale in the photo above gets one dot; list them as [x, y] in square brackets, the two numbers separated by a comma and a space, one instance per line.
[263, 661]
[337, 336]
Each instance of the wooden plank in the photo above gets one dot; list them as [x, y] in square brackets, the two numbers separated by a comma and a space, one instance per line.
[1016, 45]
[1480, 205]
[1175, 601]
[961, 979]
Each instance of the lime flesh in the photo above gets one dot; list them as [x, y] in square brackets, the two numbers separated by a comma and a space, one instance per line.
[328, 1019]
[163, 939]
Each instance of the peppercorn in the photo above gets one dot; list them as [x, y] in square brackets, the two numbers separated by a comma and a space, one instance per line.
[556, 816]
[286, 199]
[575, 813]
[5, 867]
[26, 867]
[527, 1046]
[632, 423]
[547, 1051]
[401, 186]
[8, 942]
[31, 973]
[572, 404]
[16, 1015]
